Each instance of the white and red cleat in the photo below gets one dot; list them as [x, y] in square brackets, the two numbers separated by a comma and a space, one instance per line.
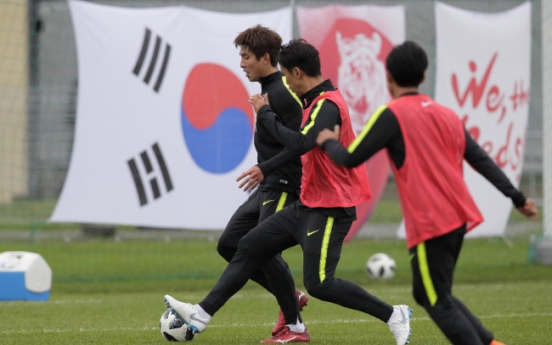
[288, 336]
[302, 300]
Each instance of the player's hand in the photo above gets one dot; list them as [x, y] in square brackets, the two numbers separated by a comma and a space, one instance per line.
[328, 134]
[529, 210]
[253, 177]
[258, 101]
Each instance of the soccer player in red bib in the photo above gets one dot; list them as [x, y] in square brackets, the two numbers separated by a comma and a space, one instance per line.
[427, 144]
[318, 221]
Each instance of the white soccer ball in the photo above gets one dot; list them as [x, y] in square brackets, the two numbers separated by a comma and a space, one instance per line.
[381, 266]
[173, 329]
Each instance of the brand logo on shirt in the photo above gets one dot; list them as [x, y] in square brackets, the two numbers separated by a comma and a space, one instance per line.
[217, 120]
[151, 65]
[312, 232]
[425, 104]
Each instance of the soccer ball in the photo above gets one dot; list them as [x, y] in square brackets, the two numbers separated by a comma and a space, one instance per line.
[381, 266]
[174, 329]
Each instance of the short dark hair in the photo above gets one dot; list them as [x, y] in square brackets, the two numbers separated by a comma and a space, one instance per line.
[261, 40]
[299, 53]
[407, 63]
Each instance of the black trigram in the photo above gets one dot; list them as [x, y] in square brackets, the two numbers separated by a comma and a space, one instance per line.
[150, 174]
[153, 61]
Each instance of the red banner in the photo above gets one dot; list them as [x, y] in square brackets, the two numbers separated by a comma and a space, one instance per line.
[354, 42]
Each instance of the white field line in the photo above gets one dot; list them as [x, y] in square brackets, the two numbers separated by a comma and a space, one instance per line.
[232, 325]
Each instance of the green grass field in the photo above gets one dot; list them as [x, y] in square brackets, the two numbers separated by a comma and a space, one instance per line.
[107, 292]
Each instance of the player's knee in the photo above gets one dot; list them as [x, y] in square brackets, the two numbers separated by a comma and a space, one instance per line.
[316, 289]
[437, 308]
[227, 246]
[246, 247]
[224, 250]
[313, 289]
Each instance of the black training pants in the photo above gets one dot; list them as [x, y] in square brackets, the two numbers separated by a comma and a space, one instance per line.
[433, 264]
[321, 239]
[274, 275]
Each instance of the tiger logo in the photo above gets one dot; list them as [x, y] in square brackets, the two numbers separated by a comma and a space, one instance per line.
[361, 76]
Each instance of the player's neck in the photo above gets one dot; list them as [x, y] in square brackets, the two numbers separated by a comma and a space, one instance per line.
[269, 71]
[312, 82]
[399, 91]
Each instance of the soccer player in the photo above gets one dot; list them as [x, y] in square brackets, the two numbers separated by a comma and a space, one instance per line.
[259, 48]
[427, 144]
[318, 221]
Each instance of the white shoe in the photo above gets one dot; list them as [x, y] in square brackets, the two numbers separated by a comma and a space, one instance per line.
[399, 323]
[187, 313]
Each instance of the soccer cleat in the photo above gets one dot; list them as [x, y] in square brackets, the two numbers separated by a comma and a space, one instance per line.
[399, 323]
[187, 313]
[496, 342]
[288, 336]
[302, 300]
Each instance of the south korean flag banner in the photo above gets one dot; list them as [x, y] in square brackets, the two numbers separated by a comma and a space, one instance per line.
[163, 124]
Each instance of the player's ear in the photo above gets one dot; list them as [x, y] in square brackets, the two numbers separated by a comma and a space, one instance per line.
[297, 73]
[389, 77]
[266, 58]
[390, 83]
[423, 79]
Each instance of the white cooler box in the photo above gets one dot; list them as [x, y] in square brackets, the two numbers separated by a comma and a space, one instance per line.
[24, 276]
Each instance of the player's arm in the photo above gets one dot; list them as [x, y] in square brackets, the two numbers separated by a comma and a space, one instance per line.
[484, 165]
[324, 114]
[284, 157]
[289, 108]
[378, 133]
[257, 173]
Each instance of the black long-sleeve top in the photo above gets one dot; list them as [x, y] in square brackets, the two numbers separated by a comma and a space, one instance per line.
[301, 142]
[288, 108]
[386, 133]
[298, 143]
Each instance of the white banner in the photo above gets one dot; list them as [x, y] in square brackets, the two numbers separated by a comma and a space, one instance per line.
[483, 74]
[354, 42]
[163, 123]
